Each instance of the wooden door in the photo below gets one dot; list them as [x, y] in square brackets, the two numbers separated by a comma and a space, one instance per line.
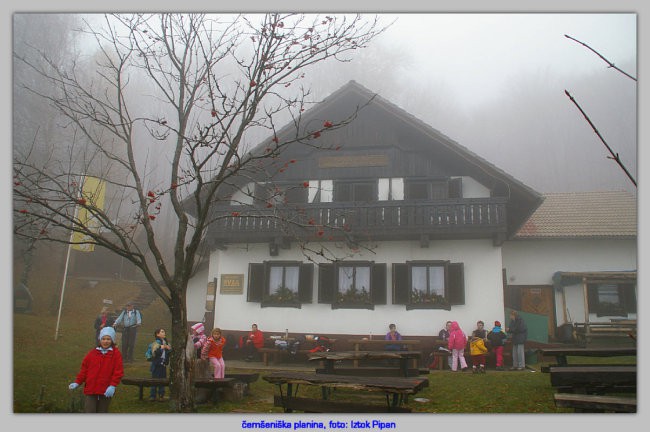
[539, 300]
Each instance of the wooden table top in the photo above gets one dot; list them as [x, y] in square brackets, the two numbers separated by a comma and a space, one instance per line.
[410, 385]
[363, 355]
[384, 341]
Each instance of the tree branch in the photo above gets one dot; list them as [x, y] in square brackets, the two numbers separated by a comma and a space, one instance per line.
[599, 55]
[614, 155]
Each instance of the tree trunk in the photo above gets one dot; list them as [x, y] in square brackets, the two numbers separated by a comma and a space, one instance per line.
[182, 394]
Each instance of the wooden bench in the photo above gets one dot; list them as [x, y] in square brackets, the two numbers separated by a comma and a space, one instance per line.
[277, 353]
[594, 379]
[547, 369]
[441, 358]
[595, 403]
[561, 354]
[585, 332]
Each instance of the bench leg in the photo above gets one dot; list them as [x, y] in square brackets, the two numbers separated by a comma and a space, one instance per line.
[141, 390]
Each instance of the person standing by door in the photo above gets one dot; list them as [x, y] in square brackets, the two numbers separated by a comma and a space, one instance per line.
[130, 319]
[519, 332]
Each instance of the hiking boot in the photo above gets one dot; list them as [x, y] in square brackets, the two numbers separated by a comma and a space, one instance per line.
[464, 369]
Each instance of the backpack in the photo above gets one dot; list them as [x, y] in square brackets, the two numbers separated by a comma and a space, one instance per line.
[149, 354]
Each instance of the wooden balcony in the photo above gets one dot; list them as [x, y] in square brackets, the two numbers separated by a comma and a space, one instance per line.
[383, 220]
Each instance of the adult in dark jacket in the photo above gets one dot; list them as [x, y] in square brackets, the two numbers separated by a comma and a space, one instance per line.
[519, 333]
[104, 319]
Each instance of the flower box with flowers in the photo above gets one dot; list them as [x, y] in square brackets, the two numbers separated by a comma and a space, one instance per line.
[423, 300]
[282, 297]
[353, 298]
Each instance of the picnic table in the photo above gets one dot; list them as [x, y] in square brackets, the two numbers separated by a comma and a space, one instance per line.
[588, 387]
[330, 359]
[394, 388]
[381, 344]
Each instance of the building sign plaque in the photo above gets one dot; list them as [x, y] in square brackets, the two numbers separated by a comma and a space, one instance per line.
[232, 284]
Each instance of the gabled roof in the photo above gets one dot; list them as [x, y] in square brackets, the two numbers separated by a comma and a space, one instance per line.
[347, 101]
[523, 200]
[609, 214]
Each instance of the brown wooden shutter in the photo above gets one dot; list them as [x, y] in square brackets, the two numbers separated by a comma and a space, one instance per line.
[305, 284]
[326, 283]
[456, 293]
[378, 284]
[255, 282]
[400, 284]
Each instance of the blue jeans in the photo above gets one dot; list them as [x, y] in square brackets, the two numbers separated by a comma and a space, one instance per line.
[518, 356]
[158, 371]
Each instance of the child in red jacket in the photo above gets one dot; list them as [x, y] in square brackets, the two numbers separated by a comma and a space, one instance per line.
[101, 371]
[213, 351]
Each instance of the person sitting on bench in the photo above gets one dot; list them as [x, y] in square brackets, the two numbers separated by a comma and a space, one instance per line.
[393, 335]
[253, 342]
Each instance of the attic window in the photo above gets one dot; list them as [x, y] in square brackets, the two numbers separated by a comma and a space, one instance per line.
[364, 191]
[431, 189]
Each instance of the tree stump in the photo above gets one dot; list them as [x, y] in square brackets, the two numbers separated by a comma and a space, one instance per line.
[202, 369]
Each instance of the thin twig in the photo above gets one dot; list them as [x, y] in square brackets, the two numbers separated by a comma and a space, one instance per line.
[599, 55]
[614, 155]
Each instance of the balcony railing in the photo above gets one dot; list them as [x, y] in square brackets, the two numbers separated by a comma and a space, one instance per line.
[480, 217]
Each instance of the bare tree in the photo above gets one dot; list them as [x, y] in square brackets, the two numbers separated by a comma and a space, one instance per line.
[212, 83]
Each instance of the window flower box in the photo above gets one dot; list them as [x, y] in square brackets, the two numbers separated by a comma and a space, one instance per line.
[282, 297]
[353, 298]
[424, 300]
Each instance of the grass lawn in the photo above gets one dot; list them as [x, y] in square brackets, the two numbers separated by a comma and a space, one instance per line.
[43, 368]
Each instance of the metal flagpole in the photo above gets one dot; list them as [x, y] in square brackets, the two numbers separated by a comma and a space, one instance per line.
[65, 277]
[67, 261]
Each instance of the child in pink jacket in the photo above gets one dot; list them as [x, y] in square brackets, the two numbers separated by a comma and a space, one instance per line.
[456, 344]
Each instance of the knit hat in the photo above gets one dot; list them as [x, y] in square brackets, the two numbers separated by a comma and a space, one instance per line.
[107, 331]
[199, 328]
[497, 324]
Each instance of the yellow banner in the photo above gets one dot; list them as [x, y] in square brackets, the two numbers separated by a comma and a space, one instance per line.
[93, 193]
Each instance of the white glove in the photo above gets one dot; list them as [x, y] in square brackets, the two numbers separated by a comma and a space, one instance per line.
[73, 386]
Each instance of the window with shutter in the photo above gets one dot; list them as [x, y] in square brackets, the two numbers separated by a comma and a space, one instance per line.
[352, 285]
[428, 284]
[280, 283]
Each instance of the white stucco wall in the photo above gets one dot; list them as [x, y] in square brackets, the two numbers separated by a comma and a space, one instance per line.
[483, 292]
[533, 262]
[196, 291]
